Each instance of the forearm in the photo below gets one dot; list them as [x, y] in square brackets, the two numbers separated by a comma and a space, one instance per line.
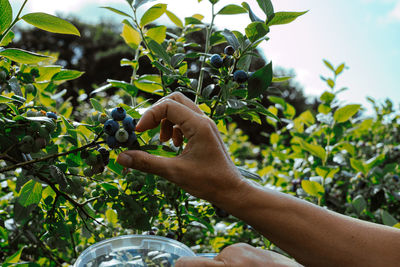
[312, 235]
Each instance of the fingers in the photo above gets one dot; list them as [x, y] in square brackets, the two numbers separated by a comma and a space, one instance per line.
[145, 162]
[176, 113]
[181, 98]
[198, 262]
[166, 130]
[177, 136]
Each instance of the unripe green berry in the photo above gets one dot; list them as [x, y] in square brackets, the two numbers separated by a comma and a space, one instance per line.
[29, 88]
[50, 125]
[28, 140]
[73, 171]
[91, 160]
[103, 117]
[31, 113]
[43, 132]
[26, 148]
[3, 76]
[122, 135]
[88, 172]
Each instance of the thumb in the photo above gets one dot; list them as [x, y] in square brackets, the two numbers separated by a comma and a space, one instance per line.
[146, 162]
[198, 262]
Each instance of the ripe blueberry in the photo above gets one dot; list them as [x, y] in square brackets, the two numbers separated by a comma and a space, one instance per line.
[112, 141]
[229, 50]
[51, 115]
[105, 154]
[122, 135]
[240, 76]
[118, 114]
[129, 124]
[216, 61]
[111, 127]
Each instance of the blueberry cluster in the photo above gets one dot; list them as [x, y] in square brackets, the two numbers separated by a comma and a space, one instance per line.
[218, 62]
[96, 159]
[118, 136]
[37, 132]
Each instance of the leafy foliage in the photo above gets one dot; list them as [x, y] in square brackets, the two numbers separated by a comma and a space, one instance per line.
[62, 190]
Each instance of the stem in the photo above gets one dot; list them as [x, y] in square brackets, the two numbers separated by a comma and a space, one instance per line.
[207, 50]
[22, 164]
[17, 18]
[135, 20]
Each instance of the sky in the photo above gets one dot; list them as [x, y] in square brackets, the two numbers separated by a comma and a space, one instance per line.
[364, 34]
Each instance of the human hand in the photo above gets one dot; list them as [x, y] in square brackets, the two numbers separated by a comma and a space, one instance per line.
[239, 255]
[204, 169]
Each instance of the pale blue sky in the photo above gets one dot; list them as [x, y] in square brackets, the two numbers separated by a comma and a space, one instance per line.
[365, 34]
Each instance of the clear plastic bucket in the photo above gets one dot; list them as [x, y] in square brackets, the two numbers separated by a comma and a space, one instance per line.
[133, 251]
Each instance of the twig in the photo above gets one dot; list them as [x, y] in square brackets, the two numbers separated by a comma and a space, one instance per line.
[22, 164]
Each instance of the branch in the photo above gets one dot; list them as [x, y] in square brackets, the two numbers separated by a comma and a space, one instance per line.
[22, 164]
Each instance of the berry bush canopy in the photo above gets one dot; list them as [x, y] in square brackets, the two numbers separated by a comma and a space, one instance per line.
[62, 190]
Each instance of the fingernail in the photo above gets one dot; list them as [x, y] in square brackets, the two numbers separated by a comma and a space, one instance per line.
[124, 159]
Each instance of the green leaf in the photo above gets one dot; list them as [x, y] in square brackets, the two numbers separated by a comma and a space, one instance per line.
[328, 64]
[152, 14]
[112, 216]
[159, 51]
[7, 39]
[388, 219]
[157, 34]
[149, 87]
[131, 36]
[340, 69]
[313, 188]
[281, 79]
[327, 97]
[232, 10]
[5, 99]
[96, 105]
[345, 113]
[50, 23]
[174, 19]
[359, 204]
[358, 165]
[111, 189]
[129, 88]
[13, 258]
[67, 75]
[256, 30]
[259, 81]
[119, 12]
[177, 59]
[315, 150]
[5, 15]
[30, 193]
[22, 56]
[285, 17]
[252, 16]
[139, 3]
[115, 167]
[231, 39]
[267, 8]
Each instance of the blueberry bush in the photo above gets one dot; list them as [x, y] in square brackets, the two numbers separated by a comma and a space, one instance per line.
[62, 190]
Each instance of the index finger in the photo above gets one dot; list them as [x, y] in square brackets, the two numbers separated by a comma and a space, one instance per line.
[175, 112]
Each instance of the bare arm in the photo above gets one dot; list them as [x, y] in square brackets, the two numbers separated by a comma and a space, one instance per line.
[312, 235]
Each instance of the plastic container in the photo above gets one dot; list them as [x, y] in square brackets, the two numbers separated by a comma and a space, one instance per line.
[135, 251]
